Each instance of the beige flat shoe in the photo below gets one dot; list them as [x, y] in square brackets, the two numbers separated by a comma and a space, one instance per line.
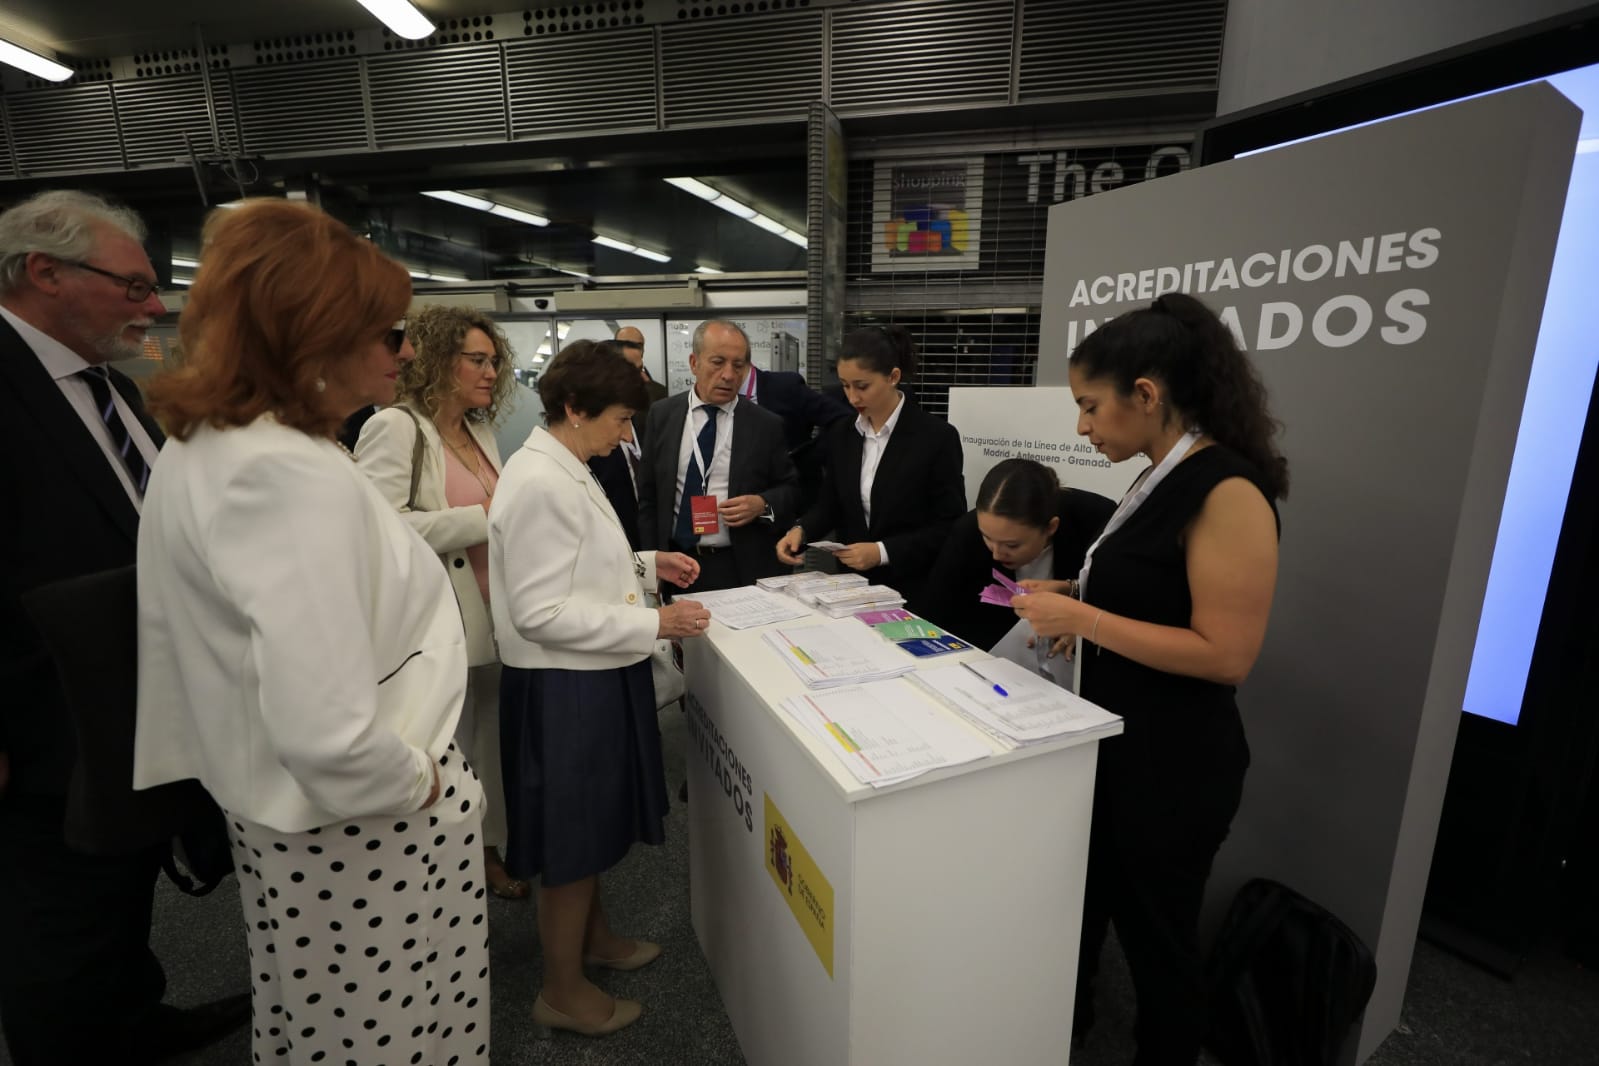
[546, 1019]
[644, 953]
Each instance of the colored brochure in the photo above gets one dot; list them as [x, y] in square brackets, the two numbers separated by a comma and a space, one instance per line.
[885, 732]
[834, 653]
[1001, 591]
[877, 618]
[747, 607]
[941, 645]
[1011, 702]
[908, 629]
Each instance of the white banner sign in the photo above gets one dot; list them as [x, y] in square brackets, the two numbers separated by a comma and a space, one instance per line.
[1035, 423]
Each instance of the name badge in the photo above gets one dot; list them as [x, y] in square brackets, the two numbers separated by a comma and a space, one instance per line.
[703, 516]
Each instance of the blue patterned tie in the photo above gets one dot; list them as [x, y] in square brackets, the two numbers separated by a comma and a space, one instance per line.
[100, 387]
[694, 480]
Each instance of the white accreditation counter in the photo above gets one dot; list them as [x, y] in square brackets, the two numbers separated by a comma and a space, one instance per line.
[932, 921]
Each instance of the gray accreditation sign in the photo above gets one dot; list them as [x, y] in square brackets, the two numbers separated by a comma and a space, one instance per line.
[1388, 282]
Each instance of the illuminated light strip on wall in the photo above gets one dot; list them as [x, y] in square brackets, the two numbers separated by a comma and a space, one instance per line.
[399, 16]
[718, 198]
[622, 246]
[479, 203]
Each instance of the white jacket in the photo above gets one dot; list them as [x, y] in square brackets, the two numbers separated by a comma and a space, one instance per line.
[384, 454]
[299, 649]
[565, 588]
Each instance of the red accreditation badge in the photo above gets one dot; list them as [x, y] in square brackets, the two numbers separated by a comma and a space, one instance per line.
[703, 516]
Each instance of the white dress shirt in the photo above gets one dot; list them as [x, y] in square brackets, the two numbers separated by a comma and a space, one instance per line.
[300, 650]
[1041, 568]
[721, 462]
[873, 443]
[64, 365]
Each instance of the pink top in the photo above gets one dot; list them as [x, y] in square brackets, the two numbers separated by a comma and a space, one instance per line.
[463, 489]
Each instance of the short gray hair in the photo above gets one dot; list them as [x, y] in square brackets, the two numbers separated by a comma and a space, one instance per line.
[60, 223]
[698, 344]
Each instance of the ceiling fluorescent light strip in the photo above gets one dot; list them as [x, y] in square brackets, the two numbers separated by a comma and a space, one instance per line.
[478, 203]
[633, 249]
[399, 16]
[706, 270]
[28, 60]
[717, 198]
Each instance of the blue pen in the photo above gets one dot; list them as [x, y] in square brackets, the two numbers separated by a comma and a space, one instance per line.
[986, 681]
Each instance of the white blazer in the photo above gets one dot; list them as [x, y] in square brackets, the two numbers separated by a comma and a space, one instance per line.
[299, 649]
[565, 588]
[384, 453]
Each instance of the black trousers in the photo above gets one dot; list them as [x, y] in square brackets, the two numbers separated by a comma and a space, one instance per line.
[1159, 818]
[78, 981]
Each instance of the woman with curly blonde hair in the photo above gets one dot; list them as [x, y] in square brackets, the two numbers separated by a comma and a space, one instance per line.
[432, 455]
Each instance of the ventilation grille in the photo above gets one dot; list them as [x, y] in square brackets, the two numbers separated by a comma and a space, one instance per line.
[582, 18]
[1101, 46]
[473, 29]
[917, 56]
[7, 164]
[305, 47]
[556, 88]
[315, 107]
[734, 72]
[688, 10]
[155, 115]
[449, 96]
[64, 131]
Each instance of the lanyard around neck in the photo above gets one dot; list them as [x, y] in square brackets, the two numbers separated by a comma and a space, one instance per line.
[1134, 500]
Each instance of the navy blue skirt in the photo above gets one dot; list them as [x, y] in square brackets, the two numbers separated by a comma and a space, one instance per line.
[581, 751]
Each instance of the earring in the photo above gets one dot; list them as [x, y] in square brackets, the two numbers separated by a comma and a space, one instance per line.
[321, 386]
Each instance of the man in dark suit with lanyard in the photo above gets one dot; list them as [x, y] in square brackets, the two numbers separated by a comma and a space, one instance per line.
[716, 480]
[78, 982]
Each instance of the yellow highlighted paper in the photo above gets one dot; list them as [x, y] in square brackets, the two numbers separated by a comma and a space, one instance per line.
[809, 894]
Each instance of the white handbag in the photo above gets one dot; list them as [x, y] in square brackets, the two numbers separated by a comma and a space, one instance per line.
[667, 675]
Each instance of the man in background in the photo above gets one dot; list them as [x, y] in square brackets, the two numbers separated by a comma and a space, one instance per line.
[78, 982]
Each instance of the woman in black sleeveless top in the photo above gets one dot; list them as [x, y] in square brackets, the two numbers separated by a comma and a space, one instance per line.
[1172, 613]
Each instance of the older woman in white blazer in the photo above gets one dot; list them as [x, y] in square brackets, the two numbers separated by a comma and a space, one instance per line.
[300, 653]
[579, 736]
[432, 455]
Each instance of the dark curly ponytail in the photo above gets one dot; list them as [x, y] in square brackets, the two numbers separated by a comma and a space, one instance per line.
[1180, 342]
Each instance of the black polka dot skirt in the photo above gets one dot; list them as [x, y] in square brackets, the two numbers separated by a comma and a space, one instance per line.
[368, 938]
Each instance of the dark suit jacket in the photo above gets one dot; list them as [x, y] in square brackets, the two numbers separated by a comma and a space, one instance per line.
[802, 408]
[965, 566]
[611, 472]
[759, 465]
[917, 493]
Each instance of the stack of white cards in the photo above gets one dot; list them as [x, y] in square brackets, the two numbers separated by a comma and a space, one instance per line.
[808, 586]
[841, 603]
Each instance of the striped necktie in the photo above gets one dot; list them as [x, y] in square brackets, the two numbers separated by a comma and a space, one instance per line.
[99, 381]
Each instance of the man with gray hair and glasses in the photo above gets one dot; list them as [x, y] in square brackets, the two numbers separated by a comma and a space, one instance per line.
[78, 981]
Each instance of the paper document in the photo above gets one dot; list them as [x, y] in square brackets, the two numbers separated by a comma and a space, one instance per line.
[1012, 702]
[826, 545]
[1013, 646]
[744, 608]
[842, 652]
[885, 732]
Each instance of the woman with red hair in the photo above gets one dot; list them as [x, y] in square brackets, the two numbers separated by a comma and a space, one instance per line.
[301, 653]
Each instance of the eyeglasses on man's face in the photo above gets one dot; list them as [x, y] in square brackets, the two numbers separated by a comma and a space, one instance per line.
[139, 290]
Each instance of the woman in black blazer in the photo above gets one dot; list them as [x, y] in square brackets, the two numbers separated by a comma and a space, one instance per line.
[1026, 526]
[891, 478]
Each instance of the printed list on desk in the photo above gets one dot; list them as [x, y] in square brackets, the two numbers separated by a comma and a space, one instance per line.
[841, 652]
[886, 732]
[1011, 703]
